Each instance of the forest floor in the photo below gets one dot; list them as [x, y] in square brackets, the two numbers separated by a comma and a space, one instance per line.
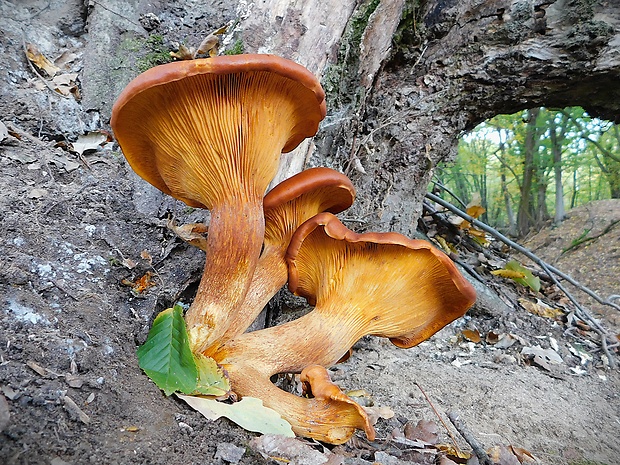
[77, 231]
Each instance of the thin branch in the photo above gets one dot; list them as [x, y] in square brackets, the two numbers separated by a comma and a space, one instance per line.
[438, 416]
[550, 270]
[456, 197]
[464, 431]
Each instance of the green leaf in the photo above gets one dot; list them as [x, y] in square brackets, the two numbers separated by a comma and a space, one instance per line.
[166, 356]
[533, 282]
[249, 413]
[211, 378]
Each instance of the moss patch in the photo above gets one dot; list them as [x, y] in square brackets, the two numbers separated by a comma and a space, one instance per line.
[341, 79]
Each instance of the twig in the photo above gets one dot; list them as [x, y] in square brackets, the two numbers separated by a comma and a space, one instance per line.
[550, 270]
[462, 428]
[583, 239]
[439, 416]
[117, 14]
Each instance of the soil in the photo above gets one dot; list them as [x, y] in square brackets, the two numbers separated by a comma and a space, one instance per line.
[78, 230]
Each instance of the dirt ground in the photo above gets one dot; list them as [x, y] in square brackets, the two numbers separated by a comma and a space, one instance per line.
[77, 229]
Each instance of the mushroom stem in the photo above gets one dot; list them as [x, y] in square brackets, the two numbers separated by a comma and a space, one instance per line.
[330, 416]
[316, 338]
[269, 277]
[233, 247]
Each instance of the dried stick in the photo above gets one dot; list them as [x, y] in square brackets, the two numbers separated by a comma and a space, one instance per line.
[461, 427]
[438, 416]
[550, 270]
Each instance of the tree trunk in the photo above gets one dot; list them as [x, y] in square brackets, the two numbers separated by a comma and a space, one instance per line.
[556, 149]
[525, 215]
[404, 79]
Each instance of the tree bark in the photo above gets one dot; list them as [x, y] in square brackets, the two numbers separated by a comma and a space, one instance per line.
[404, 79]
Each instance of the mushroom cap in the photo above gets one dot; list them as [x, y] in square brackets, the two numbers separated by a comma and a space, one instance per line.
[302, 196]
[196, 128]
[384, 284]
[335, 416]
[336, 190]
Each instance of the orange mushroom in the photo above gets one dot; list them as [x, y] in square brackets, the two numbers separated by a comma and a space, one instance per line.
[286, 207]
[381, 284]
[210, 132]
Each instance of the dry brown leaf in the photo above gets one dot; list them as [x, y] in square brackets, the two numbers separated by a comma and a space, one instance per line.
[140, 285]
[492, 337]
[451, 451]
[374, 413]
[524, 456]
[541, 309]
[192, 233]
[472, 335]
[65, 84]
[424, 430]
[184, 53]
[40, 62]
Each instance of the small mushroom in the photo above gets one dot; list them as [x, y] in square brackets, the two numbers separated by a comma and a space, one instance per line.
[381, 284]
[286, 207]
[210, 132]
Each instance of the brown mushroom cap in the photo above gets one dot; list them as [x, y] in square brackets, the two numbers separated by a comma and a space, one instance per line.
[181, 123]
[411, 289]
[302, 196]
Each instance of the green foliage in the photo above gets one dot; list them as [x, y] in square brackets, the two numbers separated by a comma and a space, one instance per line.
[167, 359]
[491, 162]
[155, 53]
[236, 49]
[529, 280]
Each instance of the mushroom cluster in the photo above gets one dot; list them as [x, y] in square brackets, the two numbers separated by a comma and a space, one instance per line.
[210, 133]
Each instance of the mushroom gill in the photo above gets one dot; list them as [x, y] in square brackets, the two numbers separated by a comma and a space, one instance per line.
[210, 133]
[381, 284]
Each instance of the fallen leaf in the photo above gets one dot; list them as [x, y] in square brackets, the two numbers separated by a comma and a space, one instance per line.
[492, 337]
[510, 274]
[424, 430]
[66, 58]
[192, 233]
[451, 451]
[471, 335]
[525, 276]
[37, 368]
[541, 309]
[288, 450]
[524, 456]
[542, 357]
[249, 413]
[90, 141]
[40, 62]
[74, 411]
[140, 285]
[580, 352]
[374, 413]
